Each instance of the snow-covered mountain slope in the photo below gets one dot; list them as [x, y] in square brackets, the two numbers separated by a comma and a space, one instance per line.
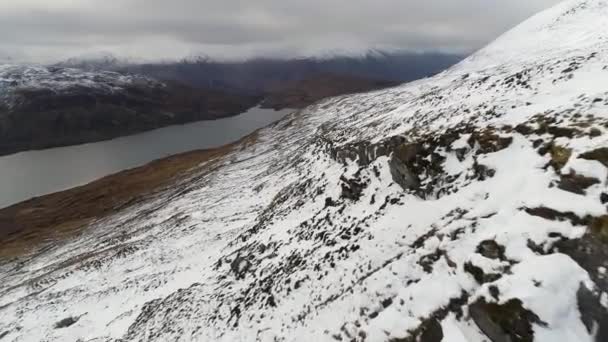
[14, 79]
[466, 207]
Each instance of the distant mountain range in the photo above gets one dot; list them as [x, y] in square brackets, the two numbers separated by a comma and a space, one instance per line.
[262, 75]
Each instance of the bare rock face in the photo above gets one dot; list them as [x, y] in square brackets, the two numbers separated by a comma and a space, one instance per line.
[401, 163]
[576, 183]
[600, 154]
[508, 322]
[66, 322]
[429, 331]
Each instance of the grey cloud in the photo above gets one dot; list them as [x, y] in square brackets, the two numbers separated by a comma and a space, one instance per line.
[155, 29]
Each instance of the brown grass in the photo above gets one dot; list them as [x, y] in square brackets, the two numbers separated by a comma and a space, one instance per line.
[56, 216]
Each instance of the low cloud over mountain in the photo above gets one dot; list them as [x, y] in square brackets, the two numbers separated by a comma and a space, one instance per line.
[43, 31]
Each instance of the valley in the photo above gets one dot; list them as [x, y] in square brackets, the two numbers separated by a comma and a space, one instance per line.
[34, 173]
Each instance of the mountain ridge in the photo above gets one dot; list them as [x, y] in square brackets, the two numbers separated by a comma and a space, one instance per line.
[87, 100]
[43, 107]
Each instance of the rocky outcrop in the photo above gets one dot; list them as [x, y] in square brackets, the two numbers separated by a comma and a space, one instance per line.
[66, 322]
[508, 322]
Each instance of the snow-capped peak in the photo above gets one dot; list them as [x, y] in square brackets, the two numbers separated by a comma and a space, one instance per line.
[572, 24]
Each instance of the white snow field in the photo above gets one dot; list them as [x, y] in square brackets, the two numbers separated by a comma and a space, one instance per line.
[470, 206]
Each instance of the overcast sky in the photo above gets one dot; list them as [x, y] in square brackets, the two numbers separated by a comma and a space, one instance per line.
[50, 30]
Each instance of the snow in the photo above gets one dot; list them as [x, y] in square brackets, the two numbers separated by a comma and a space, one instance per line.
[371, 269]
[17, 78]
[555, 301]
[456, 331]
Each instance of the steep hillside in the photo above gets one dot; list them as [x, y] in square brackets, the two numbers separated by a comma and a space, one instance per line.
[470, 206]
[302, 93]
[42, 107]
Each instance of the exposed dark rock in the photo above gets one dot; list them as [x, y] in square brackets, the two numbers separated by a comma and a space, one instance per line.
[593, 313]
[430, 329]
[428, 260]
[536, 248]
[480, 276]
[400, 171]
[524, 129]
[329, 202]
[387, 302]
[412, 162]
[482, 172]
[66, 322]
[489, 141]
[491, 249]
[554, 215]
[422, 240]
[591, 253]
[352, 188]
[494, 292]
[549, 125]
[594, 132]
[364, 153]
[604, 198]
[3, 334]
[600, 154]
[448, 138]
[576, 183]
[509, 322]
[558, 131]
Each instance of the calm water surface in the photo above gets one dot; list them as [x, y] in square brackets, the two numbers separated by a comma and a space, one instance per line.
[34, 173]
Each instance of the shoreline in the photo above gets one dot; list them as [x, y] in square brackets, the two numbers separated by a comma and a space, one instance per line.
[29, 224]
[37, 173]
